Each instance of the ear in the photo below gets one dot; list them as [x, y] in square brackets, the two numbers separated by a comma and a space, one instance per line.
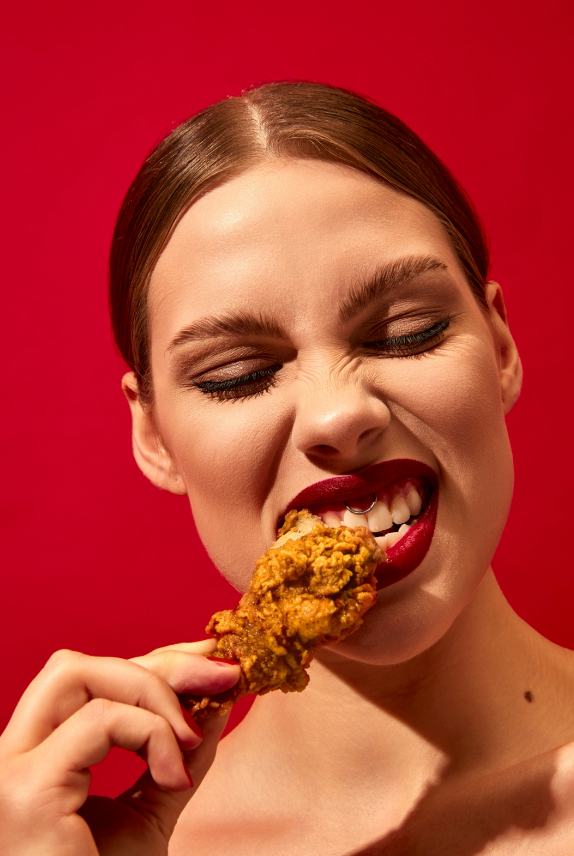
[150, 452]
[510, 366]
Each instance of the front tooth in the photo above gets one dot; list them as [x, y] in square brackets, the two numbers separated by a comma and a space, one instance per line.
[352, 520]
[403, 529]
[379, 518]
[392, 539]
[400, 511]
[414, 502]
[332, 519]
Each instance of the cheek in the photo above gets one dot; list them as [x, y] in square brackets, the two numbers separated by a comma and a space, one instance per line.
[453, 405]
[452, 409]
[452, 402]
[226, 454]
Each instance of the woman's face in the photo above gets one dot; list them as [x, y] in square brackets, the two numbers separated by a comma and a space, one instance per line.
[293, 321]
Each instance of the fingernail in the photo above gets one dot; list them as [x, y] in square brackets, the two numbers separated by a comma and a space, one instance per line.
[191, 721]
[188, 774]
[223, 660]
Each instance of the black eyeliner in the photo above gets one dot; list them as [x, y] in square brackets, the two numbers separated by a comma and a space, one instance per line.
[234, 382]
[411, 338]
[220, 387]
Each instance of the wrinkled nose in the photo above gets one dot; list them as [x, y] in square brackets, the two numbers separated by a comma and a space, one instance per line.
[339, 421]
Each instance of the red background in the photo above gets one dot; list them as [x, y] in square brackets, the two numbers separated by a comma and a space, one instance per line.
[96, 559]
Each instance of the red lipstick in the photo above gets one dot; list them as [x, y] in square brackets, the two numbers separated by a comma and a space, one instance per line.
[410, 551]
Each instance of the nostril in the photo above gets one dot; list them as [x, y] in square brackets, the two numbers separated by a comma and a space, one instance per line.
[369, 432]
[330, 431]
[322, 449]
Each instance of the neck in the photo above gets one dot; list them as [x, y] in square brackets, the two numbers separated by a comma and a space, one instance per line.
[457, 709]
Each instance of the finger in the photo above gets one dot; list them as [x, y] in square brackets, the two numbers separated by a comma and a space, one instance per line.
[70, 680]
[166, 806]
[190, 673]
[199, 761]
[204, 646]
[87, 736]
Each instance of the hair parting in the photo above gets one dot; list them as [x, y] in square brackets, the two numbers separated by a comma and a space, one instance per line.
[277, 120]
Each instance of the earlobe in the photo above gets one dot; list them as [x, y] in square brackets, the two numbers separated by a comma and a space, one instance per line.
[151, 455]
[510, 365]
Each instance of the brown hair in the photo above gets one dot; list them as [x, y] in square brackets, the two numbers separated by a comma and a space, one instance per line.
[292, 120]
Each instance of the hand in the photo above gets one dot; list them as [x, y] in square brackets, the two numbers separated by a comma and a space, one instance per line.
[69, 718]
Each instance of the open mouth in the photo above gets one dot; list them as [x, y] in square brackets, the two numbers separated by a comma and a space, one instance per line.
[397, 500]
[389, 513]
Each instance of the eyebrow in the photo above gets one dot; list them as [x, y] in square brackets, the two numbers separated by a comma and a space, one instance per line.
[384, 279]
[231, 324]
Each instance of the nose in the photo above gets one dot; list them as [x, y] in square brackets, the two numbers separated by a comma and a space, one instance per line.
[339, 422]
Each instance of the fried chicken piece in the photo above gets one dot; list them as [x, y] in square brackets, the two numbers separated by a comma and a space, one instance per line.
[311, 588]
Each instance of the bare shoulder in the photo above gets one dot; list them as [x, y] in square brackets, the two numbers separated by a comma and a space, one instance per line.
[525, 809]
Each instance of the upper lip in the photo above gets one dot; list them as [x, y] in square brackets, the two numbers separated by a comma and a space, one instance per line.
[370, 480]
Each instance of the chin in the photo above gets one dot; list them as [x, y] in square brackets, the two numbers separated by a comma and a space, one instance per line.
[395, 632]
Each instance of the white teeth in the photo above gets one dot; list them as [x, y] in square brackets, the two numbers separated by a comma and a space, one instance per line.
[400, 512]
[414, 502]
[391, 538]
[379, 518]
[352, 520]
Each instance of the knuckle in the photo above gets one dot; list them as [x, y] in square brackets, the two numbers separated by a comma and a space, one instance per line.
[153, 684]
[173, 657]
[160, 726]
[98, 709]
[155, 660]
[166, 663]
[62, 659]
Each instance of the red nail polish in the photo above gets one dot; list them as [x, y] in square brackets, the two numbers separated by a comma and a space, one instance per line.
[188, 774]
[223, 660]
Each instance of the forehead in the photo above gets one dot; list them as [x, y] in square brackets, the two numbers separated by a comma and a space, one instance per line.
[286, 232]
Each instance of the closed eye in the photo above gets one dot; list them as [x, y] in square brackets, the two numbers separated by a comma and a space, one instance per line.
[245, 386]
[411, 343]
[262, 380]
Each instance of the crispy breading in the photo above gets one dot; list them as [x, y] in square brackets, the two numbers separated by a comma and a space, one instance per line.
[311, 588]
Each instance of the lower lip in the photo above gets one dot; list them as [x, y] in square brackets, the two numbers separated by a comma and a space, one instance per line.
[409, 552]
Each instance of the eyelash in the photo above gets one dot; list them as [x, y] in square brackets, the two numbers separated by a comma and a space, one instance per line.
[247, 386]
[263, 380]
[399, 344]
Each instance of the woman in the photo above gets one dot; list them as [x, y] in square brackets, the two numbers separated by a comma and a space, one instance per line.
[300, 290]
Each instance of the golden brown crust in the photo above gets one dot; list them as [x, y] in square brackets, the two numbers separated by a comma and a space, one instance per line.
[310, 589]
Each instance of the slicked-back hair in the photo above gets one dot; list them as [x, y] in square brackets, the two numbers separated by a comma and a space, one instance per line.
[276, 120]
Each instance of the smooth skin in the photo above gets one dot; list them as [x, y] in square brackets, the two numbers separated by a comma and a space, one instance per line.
[69, 718]
[414, 735]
